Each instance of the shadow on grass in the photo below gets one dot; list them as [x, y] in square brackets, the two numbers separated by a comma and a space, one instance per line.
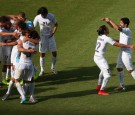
[68, 95]
[74, 74]
[84, 93]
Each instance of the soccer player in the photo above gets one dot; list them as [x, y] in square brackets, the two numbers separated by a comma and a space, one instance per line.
[20, 27]
[25, 66]
[48, 26]
[100, 60]
[125, 54]
[6, 50]
[3, 22]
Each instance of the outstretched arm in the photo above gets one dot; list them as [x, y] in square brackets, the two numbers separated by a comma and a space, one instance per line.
[123, 45]
[112, 24]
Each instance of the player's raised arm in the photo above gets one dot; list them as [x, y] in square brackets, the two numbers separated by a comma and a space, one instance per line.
[123, 45]
[112, 24]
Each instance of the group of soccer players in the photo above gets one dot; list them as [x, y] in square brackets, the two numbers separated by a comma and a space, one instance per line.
[18, 43]
[124, 57]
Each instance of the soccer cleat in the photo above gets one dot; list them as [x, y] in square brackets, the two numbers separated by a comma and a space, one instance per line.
[23, 100]
[41, 73]
[98, 87]
[4, 82]
[118, 89]
[33, 99]
[54, 70]
[102, 92]
[5, 97]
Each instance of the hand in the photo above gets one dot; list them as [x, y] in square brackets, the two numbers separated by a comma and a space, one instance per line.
[51, 35]
[15, 34]
[132, 47]
[32, 51]
[105, 19]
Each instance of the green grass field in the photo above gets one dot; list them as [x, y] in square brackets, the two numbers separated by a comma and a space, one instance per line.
[72, 91]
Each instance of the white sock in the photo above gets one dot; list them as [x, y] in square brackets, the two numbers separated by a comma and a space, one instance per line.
[42, 60]
[11, 84]
[32, 88]
[121, 78]
[12, 71]
[105, 81]
[3, 75]
[25, 87]
[100, 79]
[133, 74]
[8, 73]
[53, 62]
[20, 90]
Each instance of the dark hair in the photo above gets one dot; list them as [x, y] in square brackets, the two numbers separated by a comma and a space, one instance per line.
[21, 24]
[4, 19]
[22, 14]
[34, 34]
[101, 30]
[43, 11]
[125, 20]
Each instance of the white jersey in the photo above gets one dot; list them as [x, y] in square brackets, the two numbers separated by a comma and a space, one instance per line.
[45, 24]
[101, 44]
[15, 53]
[27, 57]
[125, 38]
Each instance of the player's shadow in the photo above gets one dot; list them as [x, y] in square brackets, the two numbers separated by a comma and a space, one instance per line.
[83, 93]
[67, 95]
[128, 89]
[73, 74]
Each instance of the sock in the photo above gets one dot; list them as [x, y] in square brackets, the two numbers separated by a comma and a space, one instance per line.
[42, 60]
[12, 71]
[100, 78]
[3, 75]
[11, 84]
[25, 87]
[20, 90]
[32, 88]
[53, 62]
[104, 83]
[121, 78]
[133, 74]
[8, 73]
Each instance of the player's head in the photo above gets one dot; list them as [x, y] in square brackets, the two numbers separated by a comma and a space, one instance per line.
[15, 24]
[103, 30]
[31, 33]
[21, 25]
[4, 20]
[22, 16]
[124, 22]
[34, 34]
[43, 11]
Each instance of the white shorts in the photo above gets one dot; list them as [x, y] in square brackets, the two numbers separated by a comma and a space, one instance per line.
[125, 60]
[47, 44]
[6, 55]
[103, 65]
[13, 55]
[24, 71]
